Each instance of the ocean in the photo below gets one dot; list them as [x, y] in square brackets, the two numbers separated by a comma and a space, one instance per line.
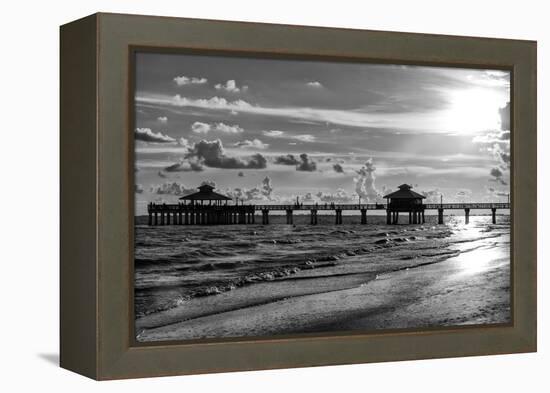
[176, 265]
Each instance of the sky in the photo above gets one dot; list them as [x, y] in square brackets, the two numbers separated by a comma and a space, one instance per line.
[272, 130]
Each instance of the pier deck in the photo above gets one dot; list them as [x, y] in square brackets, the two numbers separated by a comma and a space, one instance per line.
[228, 214]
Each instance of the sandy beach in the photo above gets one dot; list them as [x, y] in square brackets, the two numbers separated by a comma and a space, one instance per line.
[467, 282]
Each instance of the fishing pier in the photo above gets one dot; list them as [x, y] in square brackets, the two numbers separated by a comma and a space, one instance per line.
[207, 207]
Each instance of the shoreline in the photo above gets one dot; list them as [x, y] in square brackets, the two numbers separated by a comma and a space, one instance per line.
[455, 291]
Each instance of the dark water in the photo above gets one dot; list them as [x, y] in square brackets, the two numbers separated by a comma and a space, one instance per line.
[177, 263]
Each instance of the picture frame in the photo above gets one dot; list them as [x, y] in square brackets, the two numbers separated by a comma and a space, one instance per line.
[97, 183]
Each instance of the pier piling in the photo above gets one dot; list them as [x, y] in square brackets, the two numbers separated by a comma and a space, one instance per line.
[440, 216]
[338, 216]
[289, 219]
[494, 215]
[363, 216]
[467, 215]
[265, 217]
[313, 217]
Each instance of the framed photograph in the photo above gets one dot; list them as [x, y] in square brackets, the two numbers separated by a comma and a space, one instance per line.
[240, 196]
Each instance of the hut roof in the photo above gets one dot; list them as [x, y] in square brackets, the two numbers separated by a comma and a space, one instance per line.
[404, 192]
[206, 193]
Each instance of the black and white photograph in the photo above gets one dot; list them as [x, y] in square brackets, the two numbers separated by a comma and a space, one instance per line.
[281, 197]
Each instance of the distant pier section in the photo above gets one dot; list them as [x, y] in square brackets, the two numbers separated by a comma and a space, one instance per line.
[207, 207]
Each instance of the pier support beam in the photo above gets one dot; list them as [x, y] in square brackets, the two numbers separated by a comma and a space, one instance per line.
[289, 219]
[423, 217]
[415, 217]
[467, 215]
[150, 219]
[395, 220]
[313, 217]
[440, 216]
[265, 217]
[388, 217]
[494, 214]
[156, 218]
[363, 216]
[338, 216]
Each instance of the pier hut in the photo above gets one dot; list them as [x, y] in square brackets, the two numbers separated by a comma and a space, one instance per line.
[207, 194]
[405, 200]
[205, 207]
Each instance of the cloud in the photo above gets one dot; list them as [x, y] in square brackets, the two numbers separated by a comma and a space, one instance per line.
[314, 84]
[204, 128]
[185, 166]
[138, 188]
[304, 137]
[338, 168]
[365, 183]
[234, 129]
[162, 119]
[283, 134]
[212, 154]
[200, 127]
[184, 80]
[230, 86]
[498, 144]
[184, 143]
[340, 196]
[306, 164]
[251, 144]
[161, 174]
[432, 196]
[501, 137]
[302, 163]
[210, 183]
[262, 192]
[147, 135]
[288, 159]
[502, 155]
[463, 194]
[497, 193]
[171, 188]
[497, 175]
[273, 133]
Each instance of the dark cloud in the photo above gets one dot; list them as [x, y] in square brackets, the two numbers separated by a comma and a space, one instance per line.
[240, 174]
[338, 168]
[502, 155]
[306, 164]
[497, 175]
[288, 159]
[161, 174]
[212, 154]
[147, 135]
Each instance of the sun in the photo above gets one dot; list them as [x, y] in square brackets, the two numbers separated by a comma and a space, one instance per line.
[473, 110]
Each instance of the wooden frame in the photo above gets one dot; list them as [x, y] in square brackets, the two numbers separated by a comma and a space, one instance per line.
[97, 205]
